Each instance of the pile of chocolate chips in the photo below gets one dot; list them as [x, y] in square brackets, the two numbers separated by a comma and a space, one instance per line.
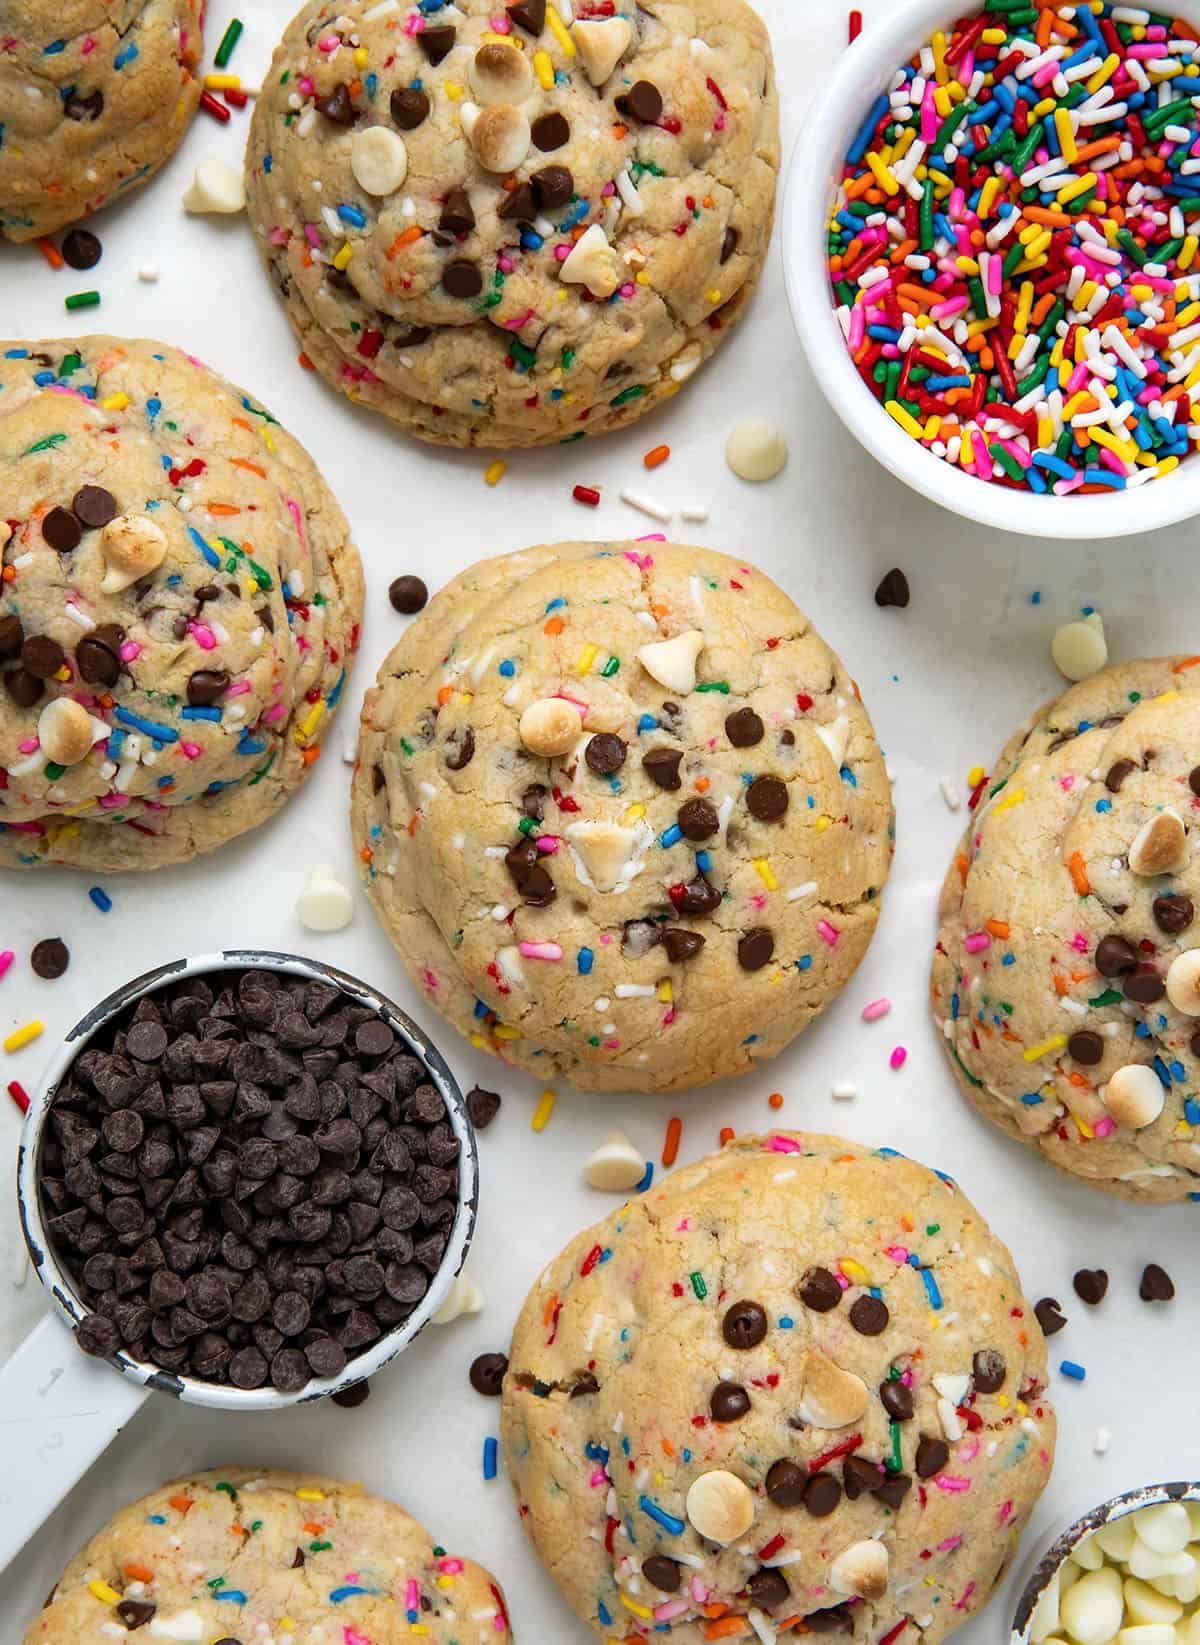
[249, 1179]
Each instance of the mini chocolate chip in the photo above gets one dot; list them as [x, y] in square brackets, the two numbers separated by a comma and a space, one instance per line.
[408, 595]
[1091, 1285]
[893, 589]
[24, 688]
[1117, 774]
[1143, 985]
[643, 102]
[819, 1290]
[756, 948]
[50, 958]
[338, 107]
[410, 108]
[585, 1386]
[729, 1402]
[146, 1041]
[553, 187]
[81, 249]
[729, 244]
[460, 748]
[97, 660]
[98, 1336]
[988, 1370]
[205, 686]
[518, 205]
[457, 215]
[487, 1374]
[462, 279]
[135, 1613]
[605, 753]
[1086, 1047]
[84, 108]
[893, 1489]
[861, 1477]
[744, 1325]
[1049, 1316]
[482, 1106]
[551, 131]
[94, 507]
[663, 1573]
[351, 1398]
[786, 1483]
[1156, 1284]
[698, 897]
[897, 1400]
[869, 1315]
[768, 1589]
[529, 15]
[12, 634]
[698, 820]
[681, 945]
[437, 43]
[744, 728]
[42, 657]
[1173, 914]
[1115, 956]
[1194, 780]
[767, 798]
[661, 765]
[822, 1494]
[932, 1456]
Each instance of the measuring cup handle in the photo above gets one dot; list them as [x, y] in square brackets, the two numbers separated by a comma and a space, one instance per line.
[58, 1411]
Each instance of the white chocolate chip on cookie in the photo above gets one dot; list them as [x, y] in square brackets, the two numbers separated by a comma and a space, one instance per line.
[601, 43]
[720, 1506]
[673, 662]
[500, 74]
[379, 160]
[500, 136]
[133, 546]
[861, 1569]
[830, 1397]
[1134, 1096]
[592, 263]
[1160, 845]
[551, 727]
[65, 731]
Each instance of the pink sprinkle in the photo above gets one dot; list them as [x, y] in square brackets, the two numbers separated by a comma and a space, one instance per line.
[898, 1057]
[412, 1595]
[110, 802]
[976, 941]
[298, 518]
[28, 745]
[952, 1482]
[190, 751]
[203, 636]
[960, 1604]
[782, 1145]
[605, 938]
[547, 843]
[877, 1008]
[1079, 943]
[699, 1592]
[451, 1566]
[430, 981]
[351, 1636]
[306, 85]
[842, 1280]
[1067, 783]
[501, 25]
[88, 46]
[239, 688]
[582, 707]
[898, 1253]
[672, 1608]
[561, 253]
[130, 651]
[413, 23]
[608, 190]
[6, 960]
[968, 1451]
[651, 537]
[329, 42]
[612, 1045]
[312, 235]
[275, 712]
[520, 320]
[279, 237]
[598, 1478]
[950, 1542]
[669, 1018]
[719, 123]
[541, 950]
[1104, 1127]
[506, 264]
[827, 933]
[628, 289]
[1005, 1510]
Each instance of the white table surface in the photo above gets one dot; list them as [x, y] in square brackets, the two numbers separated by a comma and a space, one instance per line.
[945, 680]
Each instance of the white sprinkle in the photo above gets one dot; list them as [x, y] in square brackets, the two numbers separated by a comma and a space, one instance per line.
[694, 516]
[385, 8]
[634, 991]
[1102, 1441]
[645, 506]
[80, 617]
[808, 889]
[845, 1091]
[950, 794]
[148, 274]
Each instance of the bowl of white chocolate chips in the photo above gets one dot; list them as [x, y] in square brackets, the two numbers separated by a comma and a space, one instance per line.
[1128, 1573]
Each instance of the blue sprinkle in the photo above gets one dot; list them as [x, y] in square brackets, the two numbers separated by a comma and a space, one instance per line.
[234, 1595]
[660, 1516]
[489, 1458]
[647, 721]
[125, 56]
[703, 861]
[372, 85]
[348, 1592]
[481, 1010]
[931, 1287]
[1009, 959]
[148, 728]
[1103, 805]
[268, 163]
[1031, 1099]
[331, 700]
[1160, 1068]
[786, 1322]
[647, 1178]
[156, 1519]
[201, 714]
[584, 961]
[531, 241]
[804, 962]
[555, 604]
[213, 558]
[353, 216]
[596, 1453]
[1070, 1369]
[508, 668]
[1142, 1032]
[1035, 599]
[848, 776]
[604, 1614]
[248, 746]
[670, 836]
[1177, 1070]
[53, 49]
[1191, 1111]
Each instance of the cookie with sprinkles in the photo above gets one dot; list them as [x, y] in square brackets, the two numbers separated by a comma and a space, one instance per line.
[794, 1389]
[94, 98]
[1066, 981]
[180, 604]
[272, 1556]
[511, 225]
[622, 813]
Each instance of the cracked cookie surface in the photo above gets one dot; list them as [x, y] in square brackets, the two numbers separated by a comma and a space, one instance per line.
[268, 1553]
[675, 894]
[831, 1334]
[511, 226]
[95, 95]
[1065, 922]
[179, 608]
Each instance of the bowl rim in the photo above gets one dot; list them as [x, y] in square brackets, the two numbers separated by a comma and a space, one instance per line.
[861, 72]
[61, 1288]
[1105, 1513]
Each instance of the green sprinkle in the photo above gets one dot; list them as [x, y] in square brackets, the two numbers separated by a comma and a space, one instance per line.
[319, 1547]
[84, 299]
[228, 41]
[627, 394]
[261, 577]
[259, 412]
[489, 301]
[54, 771]
[521, 352]
[223, 1485]
[699, 1287]
[70, 364]
[259, 775]
[967, 1074]
[610, 668]
[256, 1525]
[1110, 996]
[526, 825]
[406, 747]
[1009, 464]
[715, 685]
[47, 444]
[933, 1227]
[896, 1460]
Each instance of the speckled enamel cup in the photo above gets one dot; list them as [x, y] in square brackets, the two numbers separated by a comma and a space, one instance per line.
[1050, 1563]
[63, 1409]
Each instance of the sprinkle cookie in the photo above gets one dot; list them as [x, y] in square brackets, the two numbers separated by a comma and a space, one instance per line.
[1066, 981]
[270, 1555]
[507, 226]
[179, 606]
[622, 813]
[94, 98]
[796, 1387]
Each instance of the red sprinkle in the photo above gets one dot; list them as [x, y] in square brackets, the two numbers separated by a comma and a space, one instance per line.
[19, 1095]
[587, 494]
[772, 1547]
[590, 1261]
[842, 1450]
[237, 99]
[217, 109]
[856, 27]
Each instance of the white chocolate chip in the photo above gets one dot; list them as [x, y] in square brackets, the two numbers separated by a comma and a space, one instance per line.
[1134, 1096]
[601, 44]
[133, 546]
[325, 904]
[830, 1397]
[501, 74]
[756, 450]
[952, 1385]
[1087, 1555]
[65, 731]
[379, 160]
[1116, 1538]
[1145, 1604]
[592, 263]
[1183, 991]
[551, 727]
[1093, 1610]
[186, 1626]
[861, 1569]
[615, 1166]
[673, 662]
[216, 187]
[836, 737]
[1160, 845]
[1045, 1617]
[1080, 649]
[1147, 1634]
[606, 854]
[720, 1506]
[1144, 1562]
[500, 136]
[1165, 1527]
[464, 1297]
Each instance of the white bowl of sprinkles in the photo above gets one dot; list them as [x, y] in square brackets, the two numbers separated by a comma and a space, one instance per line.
[868, 78]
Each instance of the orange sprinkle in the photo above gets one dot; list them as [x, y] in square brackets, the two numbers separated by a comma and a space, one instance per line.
[620, 132]
[1079, 874]
[414, 823]
[998, 928]
[554, 625]
[139, 1573]
[548, 1313]
[1188, 662]
[729, 1627]
[253, 468]
[366, 854]
[658, 612]
[51, 253]
[10, 574]
[1060, 983]
[907, 1223]
[1048, 219]
[775, 1100]
[444, 695]
[962, 865]
[305, 361]
[243, 422]
[727, 1134]
[311, 755]
[223, 510]
[702, 785]
[311, 1526]
[1078, 1079]
[409, 237]
[671, 1141]
[181, 1504]
[655, 458]
[668, 1448]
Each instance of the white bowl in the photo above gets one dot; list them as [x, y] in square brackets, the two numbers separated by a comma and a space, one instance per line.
[859, 76]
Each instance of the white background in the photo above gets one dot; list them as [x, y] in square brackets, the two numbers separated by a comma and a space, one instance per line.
[946, 681]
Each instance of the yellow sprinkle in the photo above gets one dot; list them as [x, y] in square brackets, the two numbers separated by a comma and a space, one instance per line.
[1166, 696]
[114, 402]
[854, 1270]
[586, 658]
[941, 73]
[503, 1032]
[1022, 1408]
[823, 823]
[1187, 252]
[342, 258]
[287, 1625]
[632, 1604]
[1045, 107]
[453, 90]
[976, 775]
[933, 428]
[763, 869]
[1087, 291]
[223, 82]
[310, 722]
[445, 1582]
[23, 1036]
[478, 1041]
[1066, 135]
[994, 37]
[633, 813]
[1002, 1401]
[361, 57]
[1143, 293]
[418, 1628]
[1009, 800]
[968, 265]
[1055, 1043]
[941, 101]
[1167, 465]
[665, 992]
[495, 472]
[1085, 1129]
[713, 296]
[643, 279]
[309, 1493]
[503, 40]
[906, 420]
[102, 1591]
[560, 32]
[544, 69]
[1075, 189]
[883, 176]
[987, 197]
[543, 1111]
[63, 675]
[1125, 449]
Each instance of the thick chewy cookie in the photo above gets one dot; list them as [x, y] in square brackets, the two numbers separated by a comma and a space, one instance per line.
[95, 95]
[269, 1556]
[622, 813]
[1066, 979]
[507, 226]
[179, 606]
[797, 1384]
